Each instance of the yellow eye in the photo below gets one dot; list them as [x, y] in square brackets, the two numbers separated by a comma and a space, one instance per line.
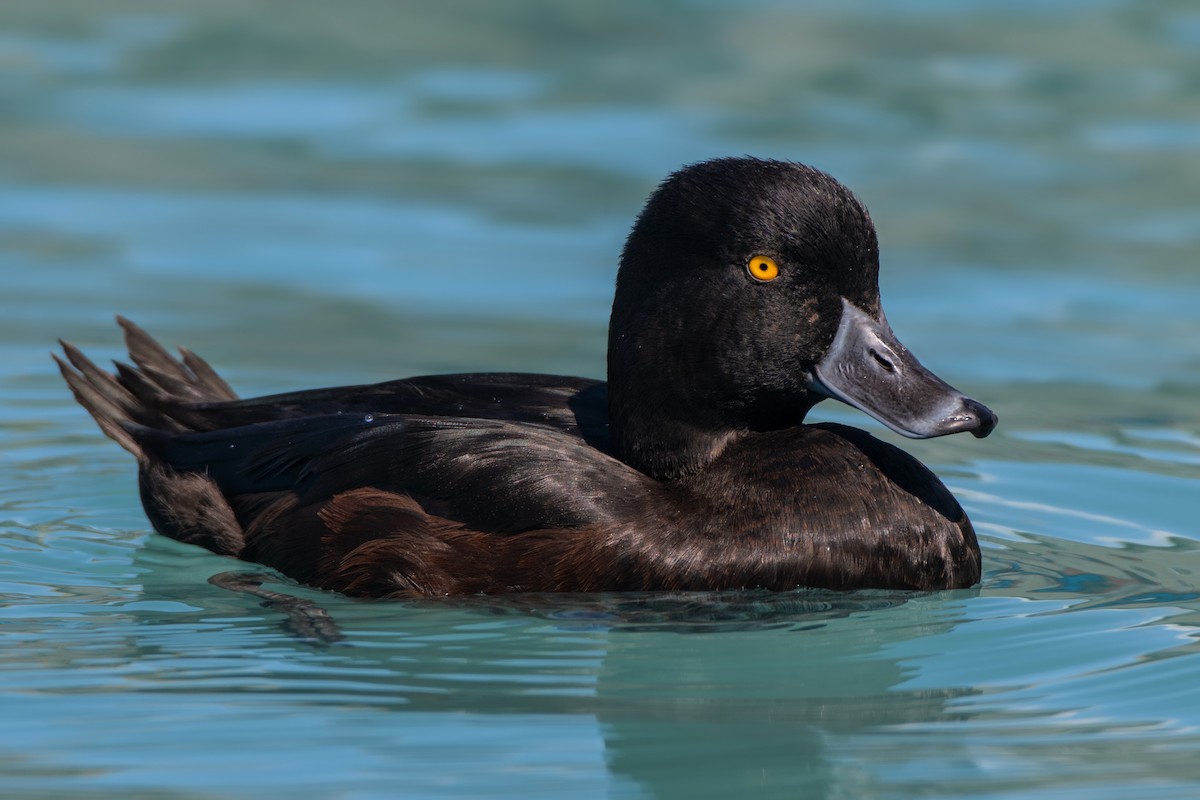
[763, 268]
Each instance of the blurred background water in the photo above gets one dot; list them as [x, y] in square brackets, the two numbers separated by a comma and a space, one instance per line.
[311, 193]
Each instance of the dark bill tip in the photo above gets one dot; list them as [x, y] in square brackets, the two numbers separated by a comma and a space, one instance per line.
[983, 419]
[971, 416]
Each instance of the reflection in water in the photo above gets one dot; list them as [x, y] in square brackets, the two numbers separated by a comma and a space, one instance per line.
[757, 682]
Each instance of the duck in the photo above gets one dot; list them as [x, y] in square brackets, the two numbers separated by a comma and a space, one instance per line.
[746, 293]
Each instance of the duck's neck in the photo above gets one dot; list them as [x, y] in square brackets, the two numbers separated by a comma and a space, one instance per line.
[667, 424]
[665, 448]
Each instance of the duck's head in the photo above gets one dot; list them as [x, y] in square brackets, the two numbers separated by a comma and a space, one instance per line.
[748, 291]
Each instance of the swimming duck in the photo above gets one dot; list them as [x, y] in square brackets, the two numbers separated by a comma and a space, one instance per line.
[747, 292]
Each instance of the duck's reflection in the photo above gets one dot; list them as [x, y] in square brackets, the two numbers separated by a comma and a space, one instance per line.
[755, 683]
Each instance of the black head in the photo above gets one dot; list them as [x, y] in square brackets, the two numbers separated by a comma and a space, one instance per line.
[729, 316]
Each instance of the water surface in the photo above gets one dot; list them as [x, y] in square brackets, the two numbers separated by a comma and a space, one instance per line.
[311, 193]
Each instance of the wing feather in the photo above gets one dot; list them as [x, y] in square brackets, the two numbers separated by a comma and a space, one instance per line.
[491, 475]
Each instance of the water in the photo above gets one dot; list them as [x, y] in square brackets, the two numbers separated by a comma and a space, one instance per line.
[310, 193]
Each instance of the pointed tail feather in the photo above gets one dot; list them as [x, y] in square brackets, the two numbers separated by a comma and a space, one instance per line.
[190, 379]
[152, 394]
[106, 400]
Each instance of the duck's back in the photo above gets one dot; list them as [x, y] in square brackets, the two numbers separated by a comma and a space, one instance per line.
[430, 469]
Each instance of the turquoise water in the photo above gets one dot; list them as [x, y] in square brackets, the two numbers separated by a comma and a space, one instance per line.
[313, 193]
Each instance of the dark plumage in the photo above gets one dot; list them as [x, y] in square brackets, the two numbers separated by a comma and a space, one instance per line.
[747, 292]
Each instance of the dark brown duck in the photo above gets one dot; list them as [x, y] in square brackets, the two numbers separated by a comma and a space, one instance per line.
[747, 292]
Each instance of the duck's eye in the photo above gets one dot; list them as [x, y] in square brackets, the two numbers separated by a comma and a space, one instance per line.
[763, 268]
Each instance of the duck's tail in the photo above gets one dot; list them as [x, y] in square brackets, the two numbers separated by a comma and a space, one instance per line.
[150, 394]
